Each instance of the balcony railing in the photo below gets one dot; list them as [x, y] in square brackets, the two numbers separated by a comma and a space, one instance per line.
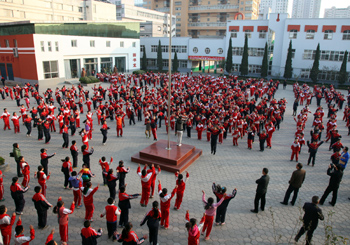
[166, 9]
[210, 24]
[208, 7]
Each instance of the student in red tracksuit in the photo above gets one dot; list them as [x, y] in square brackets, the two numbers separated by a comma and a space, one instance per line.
[1, 187]
[295, 150]
[88, 196]
[165, 200]
[200, 129]
[42, 178]
[6, 223]
[15, 120]
[146, 183]
[124, 205]
[153, 179]
[270, 130]
[25, 171]
[89, 235]
[49, 239]
[193, 229]
[62, 214]
[236, 134]
[19, 237]
[111, 211]
[105, 168]
[6, 117]
[181, 185]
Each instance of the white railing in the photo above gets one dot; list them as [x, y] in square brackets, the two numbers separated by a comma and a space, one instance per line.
[211, 24]
[208, 7]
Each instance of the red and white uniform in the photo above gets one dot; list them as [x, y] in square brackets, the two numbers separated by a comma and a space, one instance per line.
[295, 151]
[6, 117]
[194, 232]
[42, 178]
[15, 120]
[165, 206]
[21, 239]
[6, 223]
[146, 185]
[88, 198]
[180, 189]
[63, 221]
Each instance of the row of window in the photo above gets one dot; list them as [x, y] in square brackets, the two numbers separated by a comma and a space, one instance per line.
[207, 50]
[310, 54]
[49, 46]
[252, 69]
[257, 52]
[165, 48]
[329, 75]
[74, 43]
[310, 34]
[7, 42]
[262, 34]
[153, 63]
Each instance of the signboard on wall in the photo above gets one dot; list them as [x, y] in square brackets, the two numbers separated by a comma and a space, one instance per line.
[214, 58]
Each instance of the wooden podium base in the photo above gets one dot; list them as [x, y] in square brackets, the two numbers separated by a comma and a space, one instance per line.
[177, 159]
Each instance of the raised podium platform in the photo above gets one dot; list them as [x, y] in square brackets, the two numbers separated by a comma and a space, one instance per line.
[177, 159]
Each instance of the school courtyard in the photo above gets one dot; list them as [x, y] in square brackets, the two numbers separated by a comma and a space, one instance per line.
[232, 167]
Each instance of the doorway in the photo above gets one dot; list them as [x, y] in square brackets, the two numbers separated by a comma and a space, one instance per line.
[3, 70]
[120, 63]
[10, 71]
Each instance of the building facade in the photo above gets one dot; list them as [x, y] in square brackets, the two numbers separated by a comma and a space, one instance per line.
[333, 35]
[55, 52]
[152, 23]
[197, 18]
[337, 12]
[276, 6]
[306, 8]
[56, 10]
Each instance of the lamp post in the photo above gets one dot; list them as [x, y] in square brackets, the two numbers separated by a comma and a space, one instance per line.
[169, 82]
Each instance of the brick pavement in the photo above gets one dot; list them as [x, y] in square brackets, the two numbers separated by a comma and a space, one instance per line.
[231, 166]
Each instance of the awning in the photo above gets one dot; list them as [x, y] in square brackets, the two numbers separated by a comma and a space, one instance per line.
[233, 28]
[293, 27]
[311, 28]
[329, 28]
[263, 28]
[248, 28]
[345, 28]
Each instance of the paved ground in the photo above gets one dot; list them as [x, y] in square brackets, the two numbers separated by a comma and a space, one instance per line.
[233, 167]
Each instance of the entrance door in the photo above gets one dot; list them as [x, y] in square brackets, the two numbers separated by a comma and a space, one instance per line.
[10, 71]
[120, 63]
[3, 70]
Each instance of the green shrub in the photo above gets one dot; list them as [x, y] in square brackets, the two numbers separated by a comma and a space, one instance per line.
[89, 79]
[138, 72]
[2, 161]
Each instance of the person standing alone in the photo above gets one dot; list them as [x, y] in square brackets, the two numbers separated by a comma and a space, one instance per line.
[179, 129]
[295, 183]
[261, 190]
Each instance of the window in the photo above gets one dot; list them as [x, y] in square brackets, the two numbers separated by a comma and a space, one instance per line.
[256, 52]
[92, 43]
[15, 43]
[42, 46]
[74, 43]
[183, 63]
[346, 35]
[293, 34]
[250, 8]
[50, 69]
[80, 9]
[233, 34]
[49, 48]
[195, 50]
[248, 33]
[134, 44]
[142, 48]
[293, 53]
[165, 63]
[262, 34]
[56, 46]
[309, 54]
[122, 44]
[178, 9]
[305, 73]
[235, 67]
[151, 62]
[254, 69]
[328, 35]
[237, 51]
[177, 3]
[220, 50]
[207, 50]
[178, 24]
[154, 48]
[7, 43]
[108, 44]
[310, 34]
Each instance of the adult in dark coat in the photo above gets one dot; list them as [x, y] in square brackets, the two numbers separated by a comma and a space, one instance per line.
[261, 190]
[336, 173]
[310, 220]
[295, 183]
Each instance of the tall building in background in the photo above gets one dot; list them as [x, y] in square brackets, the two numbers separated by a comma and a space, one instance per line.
[197, 18]
[276, 6]
[337, 12]
[306, 8]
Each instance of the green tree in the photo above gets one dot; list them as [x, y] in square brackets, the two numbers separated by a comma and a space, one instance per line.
[229, 57]
[265, 65]
[175, 62]
[159, 57]
[288, 70]
[244, 63]
[144, 60]
[343, 75]
[315, 67]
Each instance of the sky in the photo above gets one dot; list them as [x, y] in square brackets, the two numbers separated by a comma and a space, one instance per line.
[330, 3]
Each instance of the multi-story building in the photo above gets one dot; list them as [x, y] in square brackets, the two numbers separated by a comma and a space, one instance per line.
[333, 35]
[56, 10]
[276, 6]
[55, 52]
[152, 23]
[306, 8]
[197, 18]
[337, 12]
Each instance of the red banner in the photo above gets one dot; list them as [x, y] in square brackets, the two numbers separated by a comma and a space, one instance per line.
[215, 58]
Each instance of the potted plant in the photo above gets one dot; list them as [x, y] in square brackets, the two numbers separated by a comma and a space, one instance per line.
[3, 164]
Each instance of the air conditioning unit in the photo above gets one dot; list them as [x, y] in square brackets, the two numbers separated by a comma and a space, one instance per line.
[15, 52]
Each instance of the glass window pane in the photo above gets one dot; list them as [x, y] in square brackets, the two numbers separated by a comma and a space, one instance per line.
[46, 65]
[54, 66]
